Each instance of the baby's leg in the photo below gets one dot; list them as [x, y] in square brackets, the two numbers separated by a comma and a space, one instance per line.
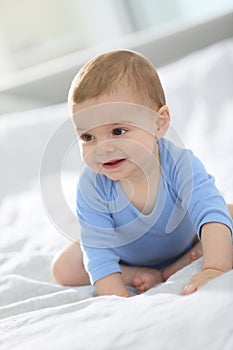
[67, 267]
[147, 278]
[193, 254]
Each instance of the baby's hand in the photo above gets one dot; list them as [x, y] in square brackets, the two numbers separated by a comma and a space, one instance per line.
[199, 279]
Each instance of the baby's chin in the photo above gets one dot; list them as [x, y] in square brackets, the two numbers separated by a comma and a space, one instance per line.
[114, 176]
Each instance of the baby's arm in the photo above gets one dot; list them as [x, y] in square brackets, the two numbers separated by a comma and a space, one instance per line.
[112, 285]
[217, 253]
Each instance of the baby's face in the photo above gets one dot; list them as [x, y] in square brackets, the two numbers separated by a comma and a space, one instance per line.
[117, 137]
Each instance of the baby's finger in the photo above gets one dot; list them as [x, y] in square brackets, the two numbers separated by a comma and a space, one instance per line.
[189, 288]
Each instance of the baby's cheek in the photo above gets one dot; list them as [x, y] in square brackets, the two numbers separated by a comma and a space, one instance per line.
[88, 158]
[142, 152]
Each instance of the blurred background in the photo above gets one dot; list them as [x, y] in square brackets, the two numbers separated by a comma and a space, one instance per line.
[43, 43]
[41, 38]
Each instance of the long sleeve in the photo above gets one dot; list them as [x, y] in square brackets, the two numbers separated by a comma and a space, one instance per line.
[197, 191]
[98, 236]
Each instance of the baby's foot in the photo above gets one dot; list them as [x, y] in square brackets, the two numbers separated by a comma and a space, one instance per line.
[146, 280]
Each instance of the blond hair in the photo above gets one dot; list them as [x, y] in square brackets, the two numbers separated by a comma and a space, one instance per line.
[107, 72]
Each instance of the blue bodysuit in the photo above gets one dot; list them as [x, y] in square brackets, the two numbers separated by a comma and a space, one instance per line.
[114, 231]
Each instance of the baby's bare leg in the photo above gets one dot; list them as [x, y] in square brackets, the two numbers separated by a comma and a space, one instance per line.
[193, 254]
[67, 267]
[147, 278]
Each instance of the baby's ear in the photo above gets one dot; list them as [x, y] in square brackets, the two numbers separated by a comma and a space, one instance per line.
[163, 121]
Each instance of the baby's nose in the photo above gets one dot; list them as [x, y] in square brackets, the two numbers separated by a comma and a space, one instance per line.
[105, 147]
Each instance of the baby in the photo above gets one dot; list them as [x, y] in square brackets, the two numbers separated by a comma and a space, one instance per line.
[142, 201]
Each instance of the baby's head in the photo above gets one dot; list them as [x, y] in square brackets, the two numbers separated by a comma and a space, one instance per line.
[117, 72]
[124, 89]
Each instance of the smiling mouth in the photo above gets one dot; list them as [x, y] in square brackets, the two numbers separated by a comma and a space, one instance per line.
[113, 164]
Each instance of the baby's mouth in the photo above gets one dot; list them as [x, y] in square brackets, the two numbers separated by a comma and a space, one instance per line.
[113, 164]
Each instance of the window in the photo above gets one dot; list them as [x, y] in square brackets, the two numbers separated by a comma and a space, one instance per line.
[161, 13]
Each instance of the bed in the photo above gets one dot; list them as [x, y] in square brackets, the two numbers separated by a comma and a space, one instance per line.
[35, 312]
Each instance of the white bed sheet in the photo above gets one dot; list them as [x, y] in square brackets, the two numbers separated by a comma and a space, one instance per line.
[35, 313]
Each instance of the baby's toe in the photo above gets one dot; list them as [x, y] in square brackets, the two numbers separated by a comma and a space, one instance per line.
[138, 281]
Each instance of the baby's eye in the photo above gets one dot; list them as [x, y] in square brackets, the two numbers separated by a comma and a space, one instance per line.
[118, 131]
[87, 137]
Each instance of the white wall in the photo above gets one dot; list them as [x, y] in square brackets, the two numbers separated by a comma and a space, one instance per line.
[32, 32]
[56, 37]
[36, 31]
